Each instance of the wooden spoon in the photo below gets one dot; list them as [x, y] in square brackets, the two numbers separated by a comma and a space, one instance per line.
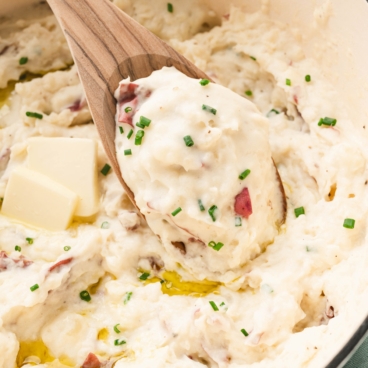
[108, 46]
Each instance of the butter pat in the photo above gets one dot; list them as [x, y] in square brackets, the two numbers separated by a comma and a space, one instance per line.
[35, 199]
[71, 162]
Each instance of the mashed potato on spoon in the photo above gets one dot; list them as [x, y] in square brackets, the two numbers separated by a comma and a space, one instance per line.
[197, 157]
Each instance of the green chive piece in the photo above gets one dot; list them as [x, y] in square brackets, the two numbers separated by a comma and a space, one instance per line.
[249, 93]
[244, 174]
[211, 212]
[17, 248]
[127, 152]
[145, 121]
[130, 133]
[222, 304]
[138, 137]
[238, 221]
[23, 60]
[140, 125]
[170, 8]
[299, 211]
[175, 212]
[307, 78]
[29, 240]
[162, 281]
[215, 246]
[244, 332]
[272, 111]
[121, 129]
[84, 295]
[36, 115]
[118, 342]
[105, 225]
[200, 204]
[105, 170]
[349, 223]
[253, 58]
[209, 109]
[34, 287]
[128, 109]
[188, 141]
[327, 121]
[214, 306]
[288, 82]
[67, 248]
[144, 276]
[204, 82]
[128, 295]
[116, 328]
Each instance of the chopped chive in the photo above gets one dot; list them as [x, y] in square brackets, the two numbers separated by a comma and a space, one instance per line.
[162, 281]
[17, 248]
[244, 174]
[29, 240]
[244, 332]
[222, 304]
[105, 225]
[36, 115]
[138, 137]
[121, 129]
[127, 152]
[145, 121]
[215, 246]
[349, 223]
[105, 170]
[200, 204]
[253, 58]
[188, 141]
[299, 211]
[144, 276]
[204, 82]
[175, 212]
[249, 93]
[327, 121]
[84, 295]
[23, 60]
[121, 342]
[288, 82]
[140, 125]
[272, 111]
[34, 287]
[128, 295]
[130, 133]
[214, 306]
[209, 109]
[211, 212]
[238, 221]
[307, 78]
[116, 328]
[128, 109]
[170, 7]
[67, 248]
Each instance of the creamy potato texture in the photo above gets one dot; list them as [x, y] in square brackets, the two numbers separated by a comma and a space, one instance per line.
[201, 170]
[107, 291]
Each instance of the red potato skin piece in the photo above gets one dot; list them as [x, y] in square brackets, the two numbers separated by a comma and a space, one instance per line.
[91, 362]
[243, 204]
[60, 263]
[127, 98]
[21, 262]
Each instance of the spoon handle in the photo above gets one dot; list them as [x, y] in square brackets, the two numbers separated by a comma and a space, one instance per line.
[108, 46]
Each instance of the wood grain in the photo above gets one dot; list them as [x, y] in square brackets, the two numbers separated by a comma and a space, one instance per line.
[108, 46]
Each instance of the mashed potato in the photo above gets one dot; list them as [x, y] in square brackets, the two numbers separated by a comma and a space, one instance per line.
[108, 291]
[202, 172]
